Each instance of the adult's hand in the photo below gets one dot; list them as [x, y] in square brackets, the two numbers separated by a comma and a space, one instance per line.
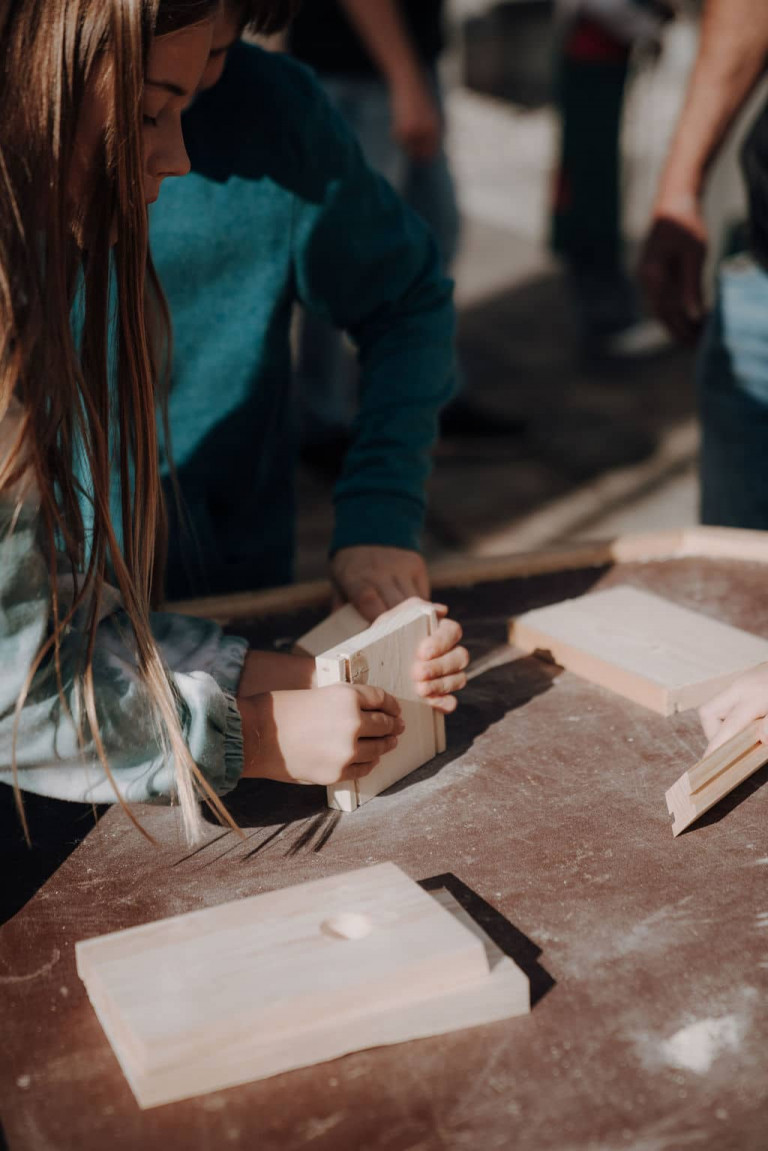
[375, 578]
[671, 268]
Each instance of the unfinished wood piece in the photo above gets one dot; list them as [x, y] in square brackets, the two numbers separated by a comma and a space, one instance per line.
[645, 648]
[338, 627]
[714, 777]
[638, 547]
[383, 657]
[204, 1001]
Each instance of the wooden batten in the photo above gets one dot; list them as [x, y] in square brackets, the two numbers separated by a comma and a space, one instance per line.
[714, 777]
[466, 570]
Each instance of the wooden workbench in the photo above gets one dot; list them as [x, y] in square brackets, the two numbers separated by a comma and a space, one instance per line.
[648, 955]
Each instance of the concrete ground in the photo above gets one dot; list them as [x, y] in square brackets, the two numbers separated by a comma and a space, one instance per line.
[606, 449]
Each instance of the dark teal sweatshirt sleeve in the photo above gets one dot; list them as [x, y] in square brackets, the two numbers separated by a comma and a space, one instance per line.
[366, 262]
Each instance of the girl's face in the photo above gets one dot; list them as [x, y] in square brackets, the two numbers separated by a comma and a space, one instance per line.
[175, 67]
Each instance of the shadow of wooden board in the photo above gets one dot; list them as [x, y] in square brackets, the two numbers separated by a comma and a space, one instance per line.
[383, 657]
[645, 648]
[291, 978]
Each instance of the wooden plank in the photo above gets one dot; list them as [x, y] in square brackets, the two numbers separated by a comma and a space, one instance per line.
[383, 657]
[336, 628]
[252, 988]
[714, 777]
[649, 650]
[466, 570]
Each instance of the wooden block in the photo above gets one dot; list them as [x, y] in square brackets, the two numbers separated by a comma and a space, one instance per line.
[714, 777]
[204, 1001]
[383, 657]
[641, 646]
[340, 626]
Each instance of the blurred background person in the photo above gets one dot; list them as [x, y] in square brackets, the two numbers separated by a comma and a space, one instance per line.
[597, 42]
[733, 362]
[378, 61]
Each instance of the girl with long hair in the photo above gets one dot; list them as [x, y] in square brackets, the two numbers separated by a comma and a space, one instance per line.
[100, 698]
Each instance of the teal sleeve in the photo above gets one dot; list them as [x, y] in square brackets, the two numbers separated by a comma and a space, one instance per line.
[204, 665]
[367, 263]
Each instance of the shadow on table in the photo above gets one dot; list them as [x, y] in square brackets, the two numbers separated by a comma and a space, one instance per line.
[489, 698]
[507, 938]
[279, 806]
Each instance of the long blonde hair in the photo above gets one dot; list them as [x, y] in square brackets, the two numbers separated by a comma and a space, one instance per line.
[51, 53]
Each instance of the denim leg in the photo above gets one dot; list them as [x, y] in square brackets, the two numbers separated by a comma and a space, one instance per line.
[733, 397]
[430, 190]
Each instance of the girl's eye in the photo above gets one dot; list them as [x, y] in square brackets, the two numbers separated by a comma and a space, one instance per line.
[152, 120]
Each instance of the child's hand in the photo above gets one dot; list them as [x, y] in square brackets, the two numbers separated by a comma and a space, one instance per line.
[741, 703]
[322, 736]
[440, 667]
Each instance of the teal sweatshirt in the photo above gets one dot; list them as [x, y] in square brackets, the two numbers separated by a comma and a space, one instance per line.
[281, 208]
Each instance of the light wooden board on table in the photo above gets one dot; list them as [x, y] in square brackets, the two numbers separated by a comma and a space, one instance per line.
[252, 988]
[645, 648]
[336, 628]
[383, 656]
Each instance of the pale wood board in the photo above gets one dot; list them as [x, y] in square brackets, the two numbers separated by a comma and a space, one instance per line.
[715, 776]
[204, 1001]
[336, 628]
[649, 650]
[383, 656]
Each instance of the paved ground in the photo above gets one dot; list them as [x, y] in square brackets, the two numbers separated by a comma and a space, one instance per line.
[606, 449]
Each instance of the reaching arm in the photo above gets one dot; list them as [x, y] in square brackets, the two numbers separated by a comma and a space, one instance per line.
[416, 120]
[368, 265]
[731, 58]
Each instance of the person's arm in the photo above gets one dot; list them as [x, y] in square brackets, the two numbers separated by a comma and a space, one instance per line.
[731, 58]
[51, 757]
[368, 265]
[416, 120]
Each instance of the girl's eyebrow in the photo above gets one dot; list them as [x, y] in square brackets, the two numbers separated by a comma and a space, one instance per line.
[174, 89]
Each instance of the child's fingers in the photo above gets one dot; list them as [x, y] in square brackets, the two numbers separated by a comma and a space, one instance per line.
[447, 636]
[357, 770]
[714, 712]
[446, 685]
[736, 720]
[379, 725]
[456, 660]
[376, 699]
[443, 703]
[370, 749]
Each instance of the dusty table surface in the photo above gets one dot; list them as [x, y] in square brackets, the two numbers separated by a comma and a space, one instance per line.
[648, 955]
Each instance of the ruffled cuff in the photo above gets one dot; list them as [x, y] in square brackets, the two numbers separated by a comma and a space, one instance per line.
[214, 734]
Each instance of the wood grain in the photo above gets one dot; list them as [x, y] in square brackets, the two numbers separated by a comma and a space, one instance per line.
[641, 646]
[258, 986]
[383, 656]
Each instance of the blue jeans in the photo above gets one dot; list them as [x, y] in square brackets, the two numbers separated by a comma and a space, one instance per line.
[326, 384]
[733, 397]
